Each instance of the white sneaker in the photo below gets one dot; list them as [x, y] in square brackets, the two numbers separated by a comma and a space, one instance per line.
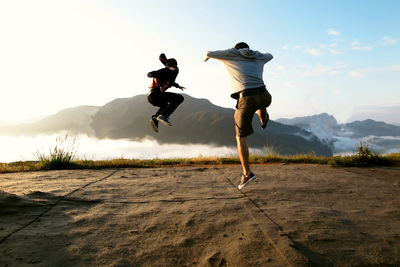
[154, 124]
[245, 181]
[163, 120]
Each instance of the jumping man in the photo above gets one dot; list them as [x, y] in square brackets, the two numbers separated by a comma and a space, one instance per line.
[245, 68]
[162, 80]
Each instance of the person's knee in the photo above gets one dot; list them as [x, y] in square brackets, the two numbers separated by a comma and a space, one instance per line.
[179, 99]
[240, 139]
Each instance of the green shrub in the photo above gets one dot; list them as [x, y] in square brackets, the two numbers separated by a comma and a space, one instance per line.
[271, 150]
[59, 157]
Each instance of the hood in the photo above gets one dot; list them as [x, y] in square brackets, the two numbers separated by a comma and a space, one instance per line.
[248, 53]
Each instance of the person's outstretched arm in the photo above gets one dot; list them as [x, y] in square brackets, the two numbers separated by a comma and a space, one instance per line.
[219, 54]
[163, 59]
[172, 82]
[177, 86]
[168, 85]
[267, 57]
[159, 74]
[153, 74]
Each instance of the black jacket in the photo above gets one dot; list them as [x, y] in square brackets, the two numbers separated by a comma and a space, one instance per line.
[165, 75]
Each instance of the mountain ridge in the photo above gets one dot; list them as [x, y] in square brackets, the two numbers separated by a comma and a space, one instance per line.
[345, 137]
[196, 121]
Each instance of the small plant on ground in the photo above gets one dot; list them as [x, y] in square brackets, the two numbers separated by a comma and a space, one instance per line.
[271, 150]
[61, 156]
[366, 156]
[364, 152]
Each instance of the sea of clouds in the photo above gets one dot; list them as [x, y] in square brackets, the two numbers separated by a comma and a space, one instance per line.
[25, 148]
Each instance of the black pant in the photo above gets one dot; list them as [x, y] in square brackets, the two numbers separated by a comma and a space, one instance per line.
[167, 102]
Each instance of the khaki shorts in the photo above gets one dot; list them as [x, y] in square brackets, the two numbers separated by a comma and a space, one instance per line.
[245, 109]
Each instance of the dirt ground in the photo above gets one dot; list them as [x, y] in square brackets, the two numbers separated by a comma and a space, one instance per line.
[291, 215]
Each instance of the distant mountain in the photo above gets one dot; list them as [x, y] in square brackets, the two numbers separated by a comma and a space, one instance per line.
[323, 125]
[196, 121]
[75, 120]
[346, 137]
[371, 127]
[387, 113]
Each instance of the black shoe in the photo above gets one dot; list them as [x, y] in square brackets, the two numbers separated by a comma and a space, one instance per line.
[266, 121]
[154, 124]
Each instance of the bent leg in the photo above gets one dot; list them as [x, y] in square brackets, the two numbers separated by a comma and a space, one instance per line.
[262, 113]
[264, 117]
[263, 101]
[157, 99]
[160, 110]
[174, 100]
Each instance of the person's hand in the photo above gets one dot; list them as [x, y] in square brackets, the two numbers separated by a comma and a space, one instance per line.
[181, 87]
[164, 88]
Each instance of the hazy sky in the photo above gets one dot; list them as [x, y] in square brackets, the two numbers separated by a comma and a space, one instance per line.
[339, 57]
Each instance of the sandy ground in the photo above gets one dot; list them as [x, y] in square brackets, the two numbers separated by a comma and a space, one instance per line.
[296, 215]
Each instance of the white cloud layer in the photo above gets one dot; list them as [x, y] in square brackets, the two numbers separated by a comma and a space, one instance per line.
[394, 68]
[356, 45]
[320, 69]
[334, 51]
[312, 51]
[358, 73]
[276, 70]
[333, 32]
[86, 147]
[387, 41]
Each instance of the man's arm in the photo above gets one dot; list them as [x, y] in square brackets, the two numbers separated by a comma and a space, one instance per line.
[172, 82]
[168, 85]
[267, 57]
[218, 54]
[152, 74]
[159, 74]
[177, 86]
[163, 59]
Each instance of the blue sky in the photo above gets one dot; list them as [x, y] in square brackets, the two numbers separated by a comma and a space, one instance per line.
[339, 57]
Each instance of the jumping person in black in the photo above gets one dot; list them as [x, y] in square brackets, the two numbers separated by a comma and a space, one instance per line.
[162, 80]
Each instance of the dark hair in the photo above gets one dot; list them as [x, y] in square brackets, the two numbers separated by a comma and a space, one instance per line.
[172, 62]
[241, 45]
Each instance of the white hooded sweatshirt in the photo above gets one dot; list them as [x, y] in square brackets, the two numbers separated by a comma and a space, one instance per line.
[245, 67]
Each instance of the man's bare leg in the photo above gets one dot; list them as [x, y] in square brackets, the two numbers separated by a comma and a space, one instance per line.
[262, 113]
[243, 150]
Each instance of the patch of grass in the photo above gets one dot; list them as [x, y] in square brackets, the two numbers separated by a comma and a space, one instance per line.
[19, 166]
[365, 157]
[271, 150]
[61, 156]
[340, 161]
